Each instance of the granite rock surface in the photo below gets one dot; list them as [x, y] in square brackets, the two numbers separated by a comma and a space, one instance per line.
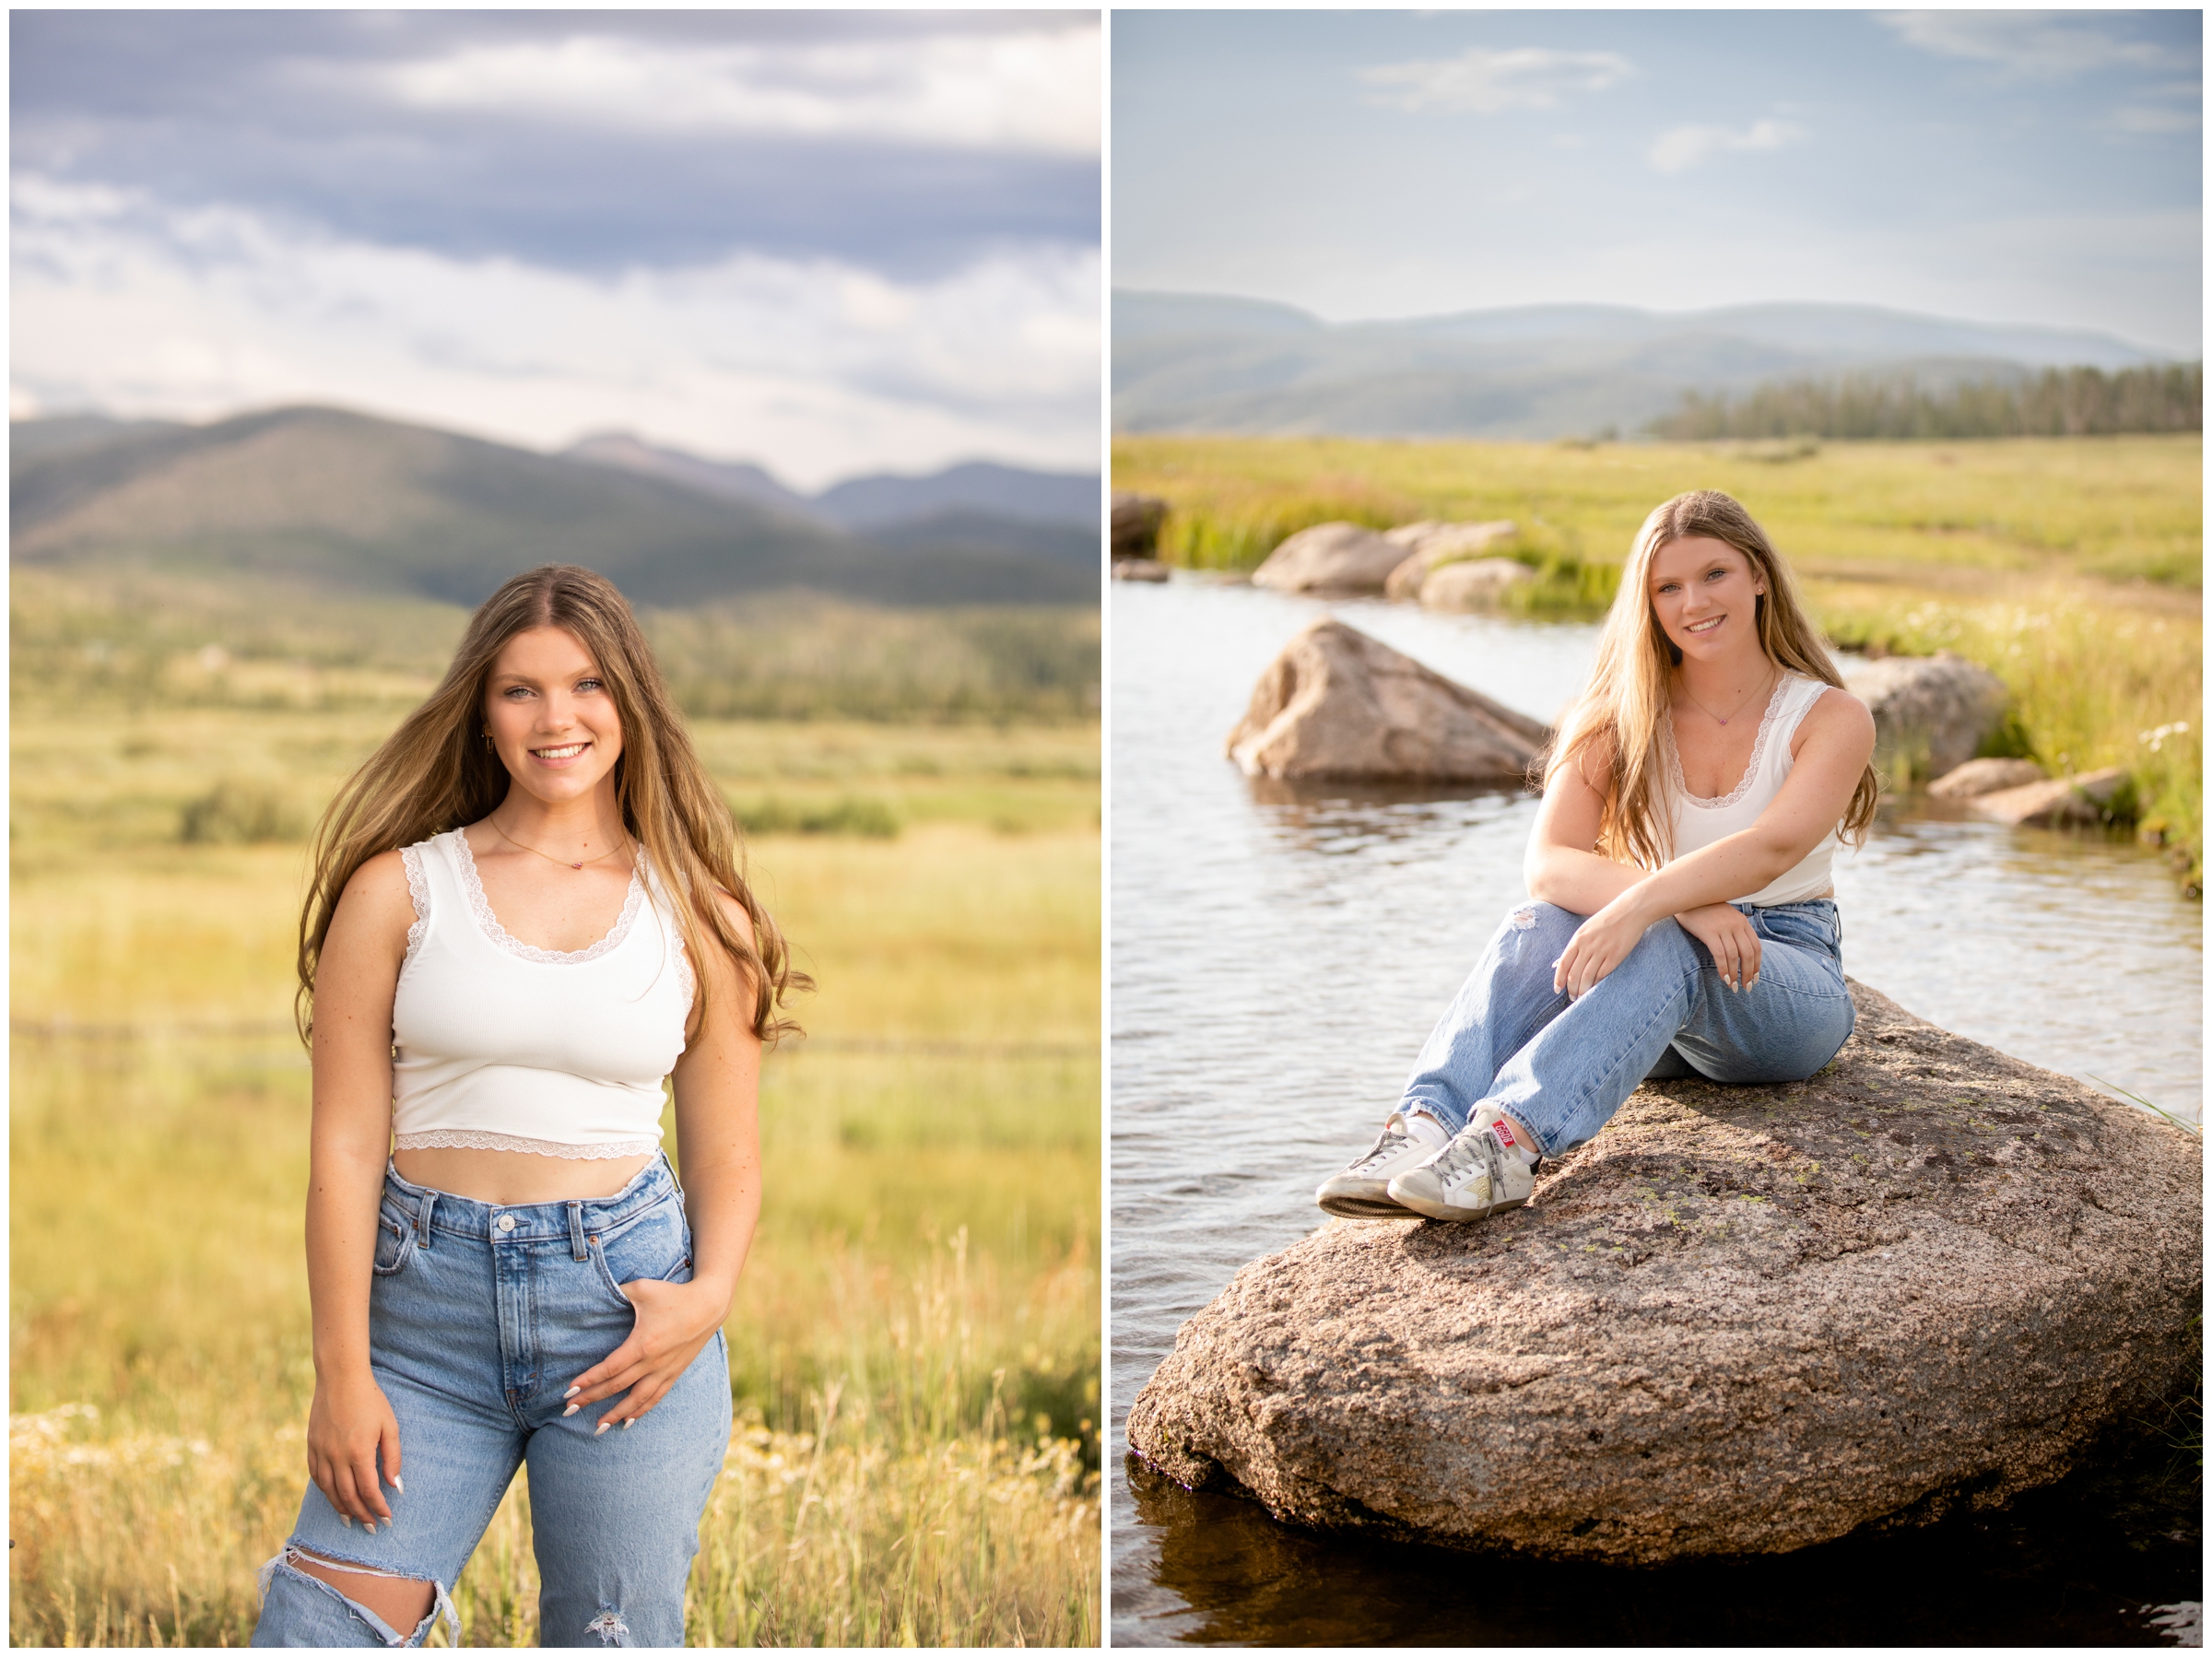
[1740, 1319]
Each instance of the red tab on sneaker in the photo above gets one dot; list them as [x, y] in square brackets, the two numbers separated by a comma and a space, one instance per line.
[1505, 1135]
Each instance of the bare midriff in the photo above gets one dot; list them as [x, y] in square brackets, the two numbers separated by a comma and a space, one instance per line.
[512, 1179]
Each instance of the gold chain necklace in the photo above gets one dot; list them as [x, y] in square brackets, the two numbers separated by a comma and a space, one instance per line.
[548, 855]
[1709, 713]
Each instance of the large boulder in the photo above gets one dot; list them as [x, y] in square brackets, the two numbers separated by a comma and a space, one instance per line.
[1429, 543]
[1330, 557]
[1934, 711]
[1740, 1319]
[1482, 584]
[1134, 522]
[2054, 802]
[1340, 705]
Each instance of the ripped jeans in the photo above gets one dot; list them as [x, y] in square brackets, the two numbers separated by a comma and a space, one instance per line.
[480, 1317]
[1562, 1067]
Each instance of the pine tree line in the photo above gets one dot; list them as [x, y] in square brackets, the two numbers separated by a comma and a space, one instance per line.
[2079, 401]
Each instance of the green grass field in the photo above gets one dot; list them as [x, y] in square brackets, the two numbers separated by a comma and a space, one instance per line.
[915, 1344]
[2071, 568]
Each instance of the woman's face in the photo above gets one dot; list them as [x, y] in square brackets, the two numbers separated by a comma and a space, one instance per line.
[552, 718]
[1705, 594]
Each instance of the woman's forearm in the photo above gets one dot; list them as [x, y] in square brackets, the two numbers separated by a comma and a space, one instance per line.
[1581, 883]
[342, 1200]
[723, 1202]
[1730, 868]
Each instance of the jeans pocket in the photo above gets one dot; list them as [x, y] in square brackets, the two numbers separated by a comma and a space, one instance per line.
[394, 1241]
[656, 1243]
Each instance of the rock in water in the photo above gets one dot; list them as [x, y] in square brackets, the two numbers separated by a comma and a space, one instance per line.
[1935, 711]
[1740, 1319]
[1337, 704]
[1330, 557]
[1429, 544]
[1480, 584]
[2054, 802]
[1978, 777]
[1134, 524]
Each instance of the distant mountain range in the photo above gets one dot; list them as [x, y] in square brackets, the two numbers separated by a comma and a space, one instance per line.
[1198, 363]
[344, 502]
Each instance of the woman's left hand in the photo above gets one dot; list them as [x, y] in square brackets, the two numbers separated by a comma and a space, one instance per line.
[1599, 944]
[675, 1320]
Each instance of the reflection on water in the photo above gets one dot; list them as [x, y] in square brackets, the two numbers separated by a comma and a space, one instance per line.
[2051, 1570]
[1278, 956]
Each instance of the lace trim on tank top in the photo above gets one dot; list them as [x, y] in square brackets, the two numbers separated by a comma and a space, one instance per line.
[1758, 753]
[481, 908]
[418, 894]
[468, 1139]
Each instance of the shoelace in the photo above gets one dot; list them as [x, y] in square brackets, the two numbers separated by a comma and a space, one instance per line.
[1387, 1143]
[1467, 1149]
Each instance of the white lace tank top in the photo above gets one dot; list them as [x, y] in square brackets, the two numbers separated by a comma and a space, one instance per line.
[1699, 822]
[498, 1045]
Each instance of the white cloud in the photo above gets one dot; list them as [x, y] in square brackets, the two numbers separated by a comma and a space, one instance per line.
[817, 368]
[1035, 90]
[1682, 148]
[2148, 118]
[2036, 46]
[1524, 78]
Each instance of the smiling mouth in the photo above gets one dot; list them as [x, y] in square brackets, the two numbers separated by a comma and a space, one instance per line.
[1705, 626]
[569, 752]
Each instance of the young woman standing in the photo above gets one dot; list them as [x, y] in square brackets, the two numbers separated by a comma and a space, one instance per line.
[1683, 921]
[526, 913]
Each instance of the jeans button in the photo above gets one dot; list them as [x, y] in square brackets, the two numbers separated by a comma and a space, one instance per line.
[506, 1222]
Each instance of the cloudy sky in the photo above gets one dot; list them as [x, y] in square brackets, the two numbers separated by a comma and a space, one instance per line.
[832, 242]
[2040, 168]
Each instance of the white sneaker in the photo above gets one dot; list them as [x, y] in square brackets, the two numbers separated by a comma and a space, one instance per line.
[1362, 1191]
[1471, 1179]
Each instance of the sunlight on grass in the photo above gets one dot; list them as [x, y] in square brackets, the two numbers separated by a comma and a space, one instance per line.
[914, 1347]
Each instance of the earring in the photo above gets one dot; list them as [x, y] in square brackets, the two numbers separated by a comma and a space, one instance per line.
[488, 741]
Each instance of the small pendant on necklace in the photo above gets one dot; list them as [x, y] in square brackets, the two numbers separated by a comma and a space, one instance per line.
[575, 865]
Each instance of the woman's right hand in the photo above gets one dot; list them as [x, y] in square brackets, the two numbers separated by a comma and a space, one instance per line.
[349, 1425]
[1728, 933]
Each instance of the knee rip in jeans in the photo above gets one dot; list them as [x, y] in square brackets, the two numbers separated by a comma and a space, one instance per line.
[608, 1625]
[1524, 918]
[291, 1556]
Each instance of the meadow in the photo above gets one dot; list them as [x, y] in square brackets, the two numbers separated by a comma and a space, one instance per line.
[914, 1346]
[2071, 568]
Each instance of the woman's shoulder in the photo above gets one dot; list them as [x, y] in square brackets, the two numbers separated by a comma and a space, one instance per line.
[1832, 714]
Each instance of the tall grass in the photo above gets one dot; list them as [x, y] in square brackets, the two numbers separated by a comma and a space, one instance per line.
[914, 1345]
[2118, 508]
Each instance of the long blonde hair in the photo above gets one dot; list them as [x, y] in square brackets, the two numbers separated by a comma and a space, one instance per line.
[1624, 709]
[435, 774]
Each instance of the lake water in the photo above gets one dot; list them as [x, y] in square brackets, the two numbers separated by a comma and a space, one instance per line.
[1276, 965]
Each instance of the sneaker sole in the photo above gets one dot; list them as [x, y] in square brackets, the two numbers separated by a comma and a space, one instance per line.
[1364, 1208]
[1438, 1211]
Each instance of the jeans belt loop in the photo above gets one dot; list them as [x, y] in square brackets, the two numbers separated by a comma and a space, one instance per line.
[422, 1218]
[576, 1232]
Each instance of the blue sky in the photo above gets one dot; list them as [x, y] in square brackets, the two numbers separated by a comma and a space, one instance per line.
[2040, 168]
[831, 242]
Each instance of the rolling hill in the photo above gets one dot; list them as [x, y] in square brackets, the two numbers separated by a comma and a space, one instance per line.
[1201, 363]
[328, 501]
[975, 505]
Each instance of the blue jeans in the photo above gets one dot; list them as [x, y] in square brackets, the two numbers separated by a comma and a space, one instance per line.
[1562, 1067]
[479, 1318]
